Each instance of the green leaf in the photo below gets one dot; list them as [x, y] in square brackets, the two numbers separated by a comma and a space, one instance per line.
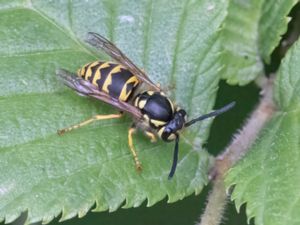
[267, 178]
[44, 174]
[251, 31]
[272, 25]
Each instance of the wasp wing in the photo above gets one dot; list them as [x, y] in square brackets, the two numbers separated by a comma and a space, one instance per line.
[113, 51]
[84, 87]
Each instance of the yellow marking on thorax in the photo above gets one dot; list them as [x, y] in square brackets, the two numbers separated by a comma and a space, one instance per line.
[89, 72]
[109, 78]
[124, 95]
[150, 92]
[172, 105]
[157, 123]
[142, 103]
[160, 131]
[98, 72]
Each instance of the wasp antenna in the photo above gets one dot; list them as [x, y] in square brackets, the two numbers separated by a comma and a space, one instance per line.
[175, 158]
[212, 114]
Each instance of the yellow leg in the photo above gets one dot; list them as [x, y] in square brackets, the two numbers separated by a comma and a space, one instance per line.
[151, 136]
[93, 119]
[138, 165]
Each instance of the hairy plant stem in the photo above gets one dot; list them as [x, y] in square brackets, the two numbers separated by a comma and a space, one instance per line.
[235, 151]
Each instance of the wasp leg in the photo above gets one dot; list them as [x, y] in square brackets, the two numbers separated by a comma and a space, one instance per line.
[138, 165]
[93, 119]
[151, 135]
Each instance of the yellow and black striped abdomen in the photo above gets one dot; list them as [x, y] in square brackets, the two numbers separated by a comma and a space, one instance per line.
[111, 78]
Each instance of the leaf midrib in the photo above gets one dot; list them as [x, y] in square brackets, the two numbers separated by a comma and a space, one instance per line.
[34, 53]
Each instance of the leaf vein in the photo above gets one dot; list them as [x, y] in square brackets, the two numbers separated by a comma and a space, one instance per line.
[178, 42]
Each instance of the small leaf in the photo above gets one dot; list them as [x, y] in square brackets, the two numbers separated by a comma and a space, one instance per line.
[44, 174]
[267, 178]
[251, 31]
[273, 24]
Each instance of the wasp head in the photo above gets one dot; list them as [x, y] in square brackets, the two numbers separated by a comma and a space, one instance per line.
[169, 131]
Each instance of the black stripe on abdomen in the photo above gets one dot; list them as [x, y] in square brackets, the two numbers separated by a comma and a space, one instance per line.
[119, 80]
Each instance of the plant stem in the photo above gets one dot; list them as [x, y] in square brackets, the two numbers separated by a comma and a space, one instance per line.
[235, 151]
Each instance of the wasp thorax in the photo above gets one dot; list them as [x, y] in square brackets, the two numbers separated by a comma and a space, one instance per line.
[160, 113]
[156, 108]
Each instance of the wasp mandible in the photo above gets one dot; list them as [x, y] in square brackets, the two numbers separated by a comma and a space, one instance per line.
[126, 87]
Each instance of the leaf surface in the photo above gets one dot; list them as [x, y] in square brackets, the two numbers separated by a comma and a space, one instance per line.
[44, 174]
[251, 31]
[267, 178]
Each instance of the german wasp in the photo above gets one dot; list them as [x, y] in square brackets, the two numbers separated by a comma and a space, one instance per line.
[126, 87]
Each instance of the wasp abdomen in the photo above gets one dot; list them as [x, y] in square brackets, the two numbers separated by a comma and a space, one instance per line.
[111, 78]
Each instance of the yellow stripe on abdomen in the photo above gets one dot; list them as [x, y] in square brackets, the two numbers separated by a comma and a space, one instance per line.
[97, 75]
[124, 94]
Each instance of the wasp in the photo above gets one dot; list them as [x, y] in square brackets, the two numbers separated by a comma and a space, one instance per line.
[126, 87]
